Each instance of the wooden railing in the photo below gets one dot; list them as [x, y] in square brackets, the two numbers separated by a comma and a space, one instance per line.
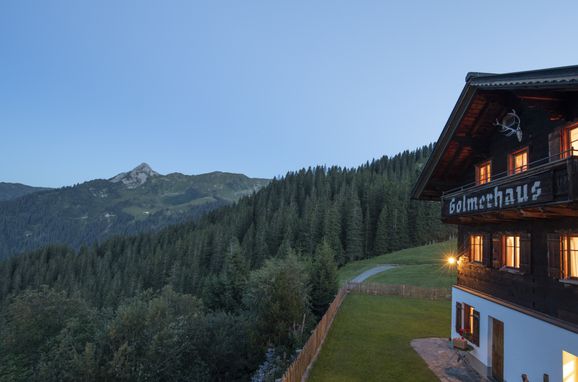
[540, 185]
[297, 371]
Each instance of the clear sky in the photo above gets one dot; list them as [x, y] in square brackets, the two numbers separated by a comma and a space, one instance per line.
[92, 88]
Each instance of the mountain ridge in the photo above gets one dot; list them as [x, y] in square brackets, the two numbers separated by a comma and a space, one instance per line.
[10, 191]
[130, 202]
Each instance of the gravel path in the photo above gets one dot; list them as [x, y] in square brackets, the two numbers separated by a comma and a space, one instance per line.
[373, 271]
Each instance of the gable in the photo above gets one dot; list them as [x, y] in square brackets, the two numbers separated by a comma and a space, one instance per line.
[485, 98]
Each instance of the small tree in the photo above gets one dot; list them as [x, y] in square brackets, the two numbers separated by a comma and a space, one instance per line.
[278, 298]
[323, 279]
[31, 320]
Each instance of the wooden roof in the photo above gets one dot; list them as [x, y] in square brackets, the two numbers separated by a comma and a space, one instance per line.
[469, 126]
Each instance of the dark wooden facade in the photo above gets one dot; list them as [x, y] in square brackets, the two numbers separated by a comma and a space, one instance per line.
[542, 201]
[535, 285]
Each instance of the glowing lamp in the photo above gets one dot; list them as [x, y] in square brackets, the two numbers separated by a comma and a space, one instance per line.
[451, 260]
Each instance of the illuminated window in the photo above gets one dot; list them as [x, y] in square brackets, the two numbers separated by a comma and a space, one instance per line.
[518, 161]
[484, 173]
[569, 249]
[471, 330]
[512, 246]
[573, 140]
[570, 141]
[476, 248]
[569, 367]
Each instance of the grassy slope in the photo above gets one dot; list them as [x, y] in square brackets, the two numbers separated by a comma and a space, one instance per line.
[422, 266]
[423, 275]
[370, 339]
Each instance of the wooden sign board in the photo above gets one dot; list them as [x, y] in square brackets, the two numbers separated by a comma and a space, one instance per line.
[529, 190]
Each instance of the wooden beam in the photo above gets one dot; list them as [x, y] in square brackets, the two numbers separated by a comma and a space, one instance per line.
[533, 214]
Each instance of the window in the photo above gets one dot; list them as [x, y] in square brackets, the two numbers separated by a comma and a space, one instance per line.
[471, 324]
[484, 173]
[570, 141]
[512, 251]
[569, 251]
[518, 161]
[569, 367]
[476, 248]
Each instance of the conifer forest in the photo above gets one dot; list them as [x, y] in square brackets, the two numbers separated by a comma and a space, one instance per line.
[228, 297]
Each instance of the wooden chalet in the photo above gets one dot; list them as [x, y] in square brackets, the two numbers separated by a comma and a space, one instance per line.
[505, 169]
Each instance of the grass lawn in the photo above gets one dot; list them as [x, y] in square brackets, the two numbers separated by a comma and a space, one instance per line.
[422, 275]
[370, 339]
[421, 266]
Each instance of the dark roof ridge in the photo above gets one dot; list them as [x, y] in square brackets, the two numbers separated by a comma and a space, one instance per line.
[537, 73]
[471, 75]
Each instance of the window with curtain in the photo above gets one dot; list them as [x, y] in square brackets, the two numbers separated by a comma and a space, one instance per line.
[569, 252]
[573, 140]
[476, 248]
[518, 162]
[512, 251]
[570, 141]
[471, 330]
[484, 173]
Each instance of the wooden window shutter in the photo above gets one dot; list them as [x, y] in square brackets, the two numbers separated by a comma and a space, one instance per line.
[554, 255]
[497, 260]
[477, 169]
[459, 315]
[525, 252]
[555, 144]
[487, 250]
[476, 329]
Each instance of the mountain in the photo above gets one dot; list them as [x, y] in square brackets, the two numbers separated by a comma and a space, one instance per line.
[213, 299]
[136, 177]
[208, 299]
[9, 191]
[130, 202]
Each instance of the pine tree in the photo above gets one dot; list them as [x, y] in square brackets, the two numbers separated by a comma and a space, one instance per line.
[353, 228]
[381, 235]
[323, 279]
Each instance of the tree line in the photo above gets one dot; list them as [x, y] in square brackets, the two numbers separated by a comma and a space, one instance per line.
[241, 287]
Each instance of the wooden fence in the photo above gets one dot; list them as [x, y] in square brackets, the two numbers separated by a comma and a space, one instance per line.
[298, 369]
[401, 290]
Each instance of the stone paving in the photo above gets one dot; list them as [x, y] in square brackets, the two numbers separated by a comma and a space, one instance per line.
[444, 361]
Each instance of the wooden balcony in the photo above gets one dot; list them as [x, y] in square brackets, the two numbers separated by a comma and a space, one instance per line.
[543, 191]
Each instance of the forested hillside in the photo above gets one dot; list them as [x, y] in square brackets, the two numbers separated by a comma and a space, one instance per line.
[9, 191]
[205, 300]
[136, 201]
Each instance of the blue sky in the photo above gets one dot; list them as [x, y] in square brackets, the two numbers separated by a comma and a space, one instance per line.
[90, 89]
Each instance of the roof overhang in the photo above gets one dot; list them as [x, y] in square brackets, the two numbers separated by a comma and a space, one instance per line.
[469, 109]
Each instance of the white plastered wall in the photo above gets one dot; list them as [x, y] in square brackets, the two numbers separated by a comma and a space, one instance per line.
[531, 346]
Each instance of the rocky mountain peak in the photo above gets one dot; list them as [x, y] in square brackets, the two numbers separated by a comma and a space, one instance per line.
[136, 177]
